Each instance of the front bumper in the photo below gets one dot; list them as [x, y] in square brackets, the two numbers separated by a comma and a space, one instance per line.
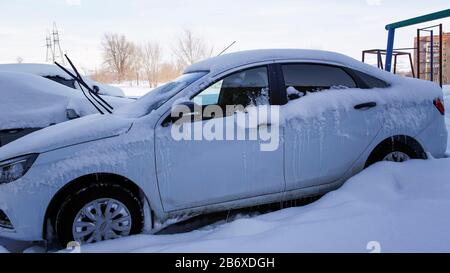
[24, 214]
[24, 202]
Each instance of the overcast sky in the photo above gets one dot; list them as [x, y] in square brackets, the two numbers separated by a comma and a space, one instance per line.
[346, 26]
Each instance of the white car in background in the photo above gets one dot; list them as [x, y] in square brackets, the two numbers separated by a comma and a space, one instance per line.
[29, 102]
[106, 176]
[54, 73]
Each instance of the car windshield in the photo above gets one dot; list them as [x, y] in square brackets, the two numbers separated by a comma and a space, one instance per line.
[155, 98]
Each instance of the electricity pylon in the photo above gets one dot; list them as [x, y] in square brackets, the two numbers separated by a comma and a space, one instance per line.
[50, 56]
[57, 50]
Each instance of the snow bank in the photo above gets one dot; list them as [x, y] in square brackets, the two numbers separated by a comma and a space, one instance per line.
[396, 206]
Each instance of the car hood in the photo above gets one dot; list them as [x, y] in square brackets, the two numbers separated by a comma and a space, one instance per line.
[89, 128]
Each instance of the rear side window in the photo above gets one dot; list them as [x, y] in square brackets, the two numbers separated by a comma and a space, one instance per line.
[303, 78]
[370, 81]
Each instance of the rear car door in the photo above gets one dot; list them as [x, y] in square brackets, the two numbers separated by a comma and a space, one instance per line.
[326, 137]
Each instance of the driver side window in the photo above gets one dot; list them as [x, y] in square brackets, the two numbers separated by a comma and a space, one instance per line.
[247, 87]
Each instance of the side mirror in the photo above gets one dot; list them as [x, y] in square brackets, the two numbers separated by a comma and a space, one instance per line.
[71, 114]
[185, 109]
[96, 89]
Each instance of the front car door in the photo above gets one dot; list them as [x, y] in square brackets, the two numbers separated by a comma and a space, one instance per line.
[328, 134]
[200, 170]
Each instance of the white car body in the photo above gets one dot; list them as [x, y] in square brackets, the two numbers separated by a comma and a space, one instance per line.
[324, 141]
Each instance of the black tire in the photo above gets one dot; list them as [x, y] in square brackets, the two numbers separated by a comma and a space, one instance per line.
[386, 147]
[77, 200]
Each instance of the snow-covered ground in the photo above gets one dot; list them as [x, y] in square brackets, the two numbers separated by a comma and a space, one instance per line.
[396, 207]
[389, 207]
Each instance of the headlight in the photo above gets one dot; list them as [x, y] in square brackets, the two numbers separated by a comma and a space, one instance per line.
[15, 168]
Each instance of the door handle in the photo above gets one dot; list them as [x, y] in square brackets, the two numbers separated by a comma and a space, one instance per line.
[365, 105]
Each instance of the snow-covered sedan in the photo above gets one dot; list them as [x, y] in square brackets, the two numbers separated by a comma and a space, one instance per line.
[29, 102]
[107, 176]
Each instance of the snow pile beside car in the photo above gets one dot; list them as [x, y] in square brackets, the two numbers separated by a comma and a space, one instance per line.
[393, 206]
[30, 101]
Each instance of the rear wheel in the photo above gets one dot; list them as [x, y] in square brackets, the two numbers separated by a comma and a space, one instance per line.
[396, 156]
[395, 151]
[99, 212]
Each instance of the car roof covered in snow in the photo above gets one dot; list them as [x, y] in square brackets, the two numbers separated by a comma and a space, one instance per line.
[228, 61]
[36, 69]
[51, 70]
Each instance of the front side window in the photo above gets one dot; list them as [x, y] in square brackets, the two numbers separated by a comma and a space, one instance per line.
[247, 87]
[303, 78]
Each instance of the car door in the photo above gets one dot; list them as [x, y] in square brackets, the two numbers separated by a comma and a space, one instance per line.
[327, 135]
[199, 170]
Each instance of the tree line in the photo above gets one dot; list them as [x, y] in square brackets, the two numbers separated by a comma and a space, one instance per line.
[125, 60]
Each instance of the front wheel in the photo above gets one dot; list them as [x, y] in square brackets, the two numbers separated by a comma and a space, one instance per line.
[99, 212]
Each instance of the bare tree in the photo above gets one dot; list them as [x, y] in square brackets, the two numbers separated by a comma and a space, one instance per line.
[169, 71]
[151, 62]
[118, 54]
[190, 48]
[136, 64]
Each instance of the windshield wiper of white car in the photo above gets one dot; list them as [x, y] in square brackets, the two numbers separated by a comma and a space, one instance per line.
[96, 97]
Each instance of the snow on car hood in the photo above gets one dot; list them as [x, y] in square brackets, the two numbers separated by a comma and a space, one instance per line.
[68, 133]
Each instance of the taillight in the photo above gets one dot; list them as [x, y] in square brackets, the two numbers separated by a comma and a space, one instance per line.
[439, 105]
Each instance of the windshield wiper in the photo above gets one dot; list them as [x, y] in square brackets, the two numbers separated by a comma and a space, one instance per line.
[97, 98]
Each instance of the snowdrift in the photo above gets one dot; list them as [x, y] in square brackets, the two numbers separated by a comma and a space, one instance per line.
[391, 207]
